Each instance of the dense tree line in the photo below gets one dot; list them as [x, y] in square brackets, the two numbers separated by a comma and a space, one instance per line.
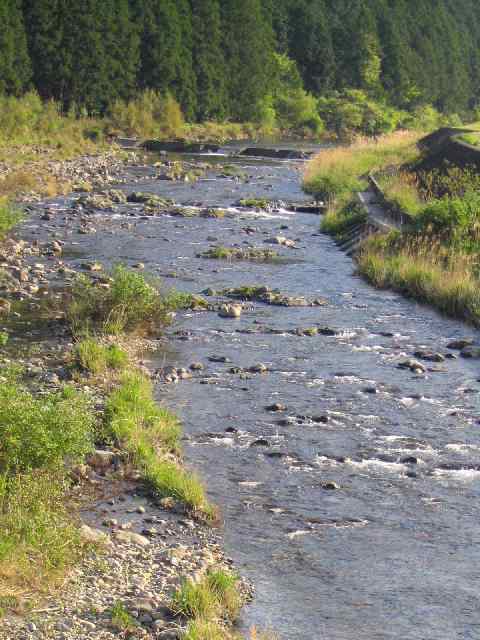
[219, 58]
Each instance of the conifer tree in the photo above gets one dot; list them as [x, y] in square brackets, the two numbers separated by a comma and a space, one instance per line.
[209, 63]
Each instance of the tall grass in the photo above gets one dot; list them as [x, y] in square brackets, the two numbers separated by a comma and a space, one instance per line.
[151, 114]
[39, 437]
[128, 303]
[402, 190]
[424, 269]
[335, 174]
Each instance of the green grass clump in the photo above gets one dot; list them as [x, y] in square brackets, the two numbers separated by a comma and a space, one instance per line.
[338, 223]
[130, 303]
[122, 620]
[147, 431]
[97, 358]
[402, 191]
[254, 203]
[38, 537]
[42, 432]
[226, 253]
[39, 438]
[3, 338]
[215, 597]
[9, 217]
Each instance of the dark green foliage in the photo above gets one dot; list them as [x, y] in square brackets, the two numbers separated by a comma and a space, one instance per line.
[217, 57]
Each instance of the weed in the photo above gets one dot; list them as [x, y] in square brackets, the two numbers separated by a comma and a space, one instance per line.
[44, 431]
[3, 338]
[146, 431]
[121, 618]
[129, 303]
[215, 597]
[338, 223]
[37, 535]
[253, 254]
[97, 358]
[9, 216]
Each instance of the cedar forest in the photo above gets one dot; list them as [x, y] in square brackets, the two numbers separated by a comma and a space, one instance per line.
[248, 60]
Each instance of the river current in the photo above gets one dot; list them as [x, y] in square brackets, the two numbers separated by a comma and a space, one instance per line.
[354, 511]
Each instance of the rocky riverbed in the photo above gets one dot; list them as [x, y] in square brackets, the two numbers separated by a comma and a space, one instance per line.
[336, 425]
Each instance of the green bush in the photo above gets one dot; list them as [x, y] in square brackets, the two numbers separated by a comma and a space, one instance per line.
[44, 431]
[456, 219]
[353, 112]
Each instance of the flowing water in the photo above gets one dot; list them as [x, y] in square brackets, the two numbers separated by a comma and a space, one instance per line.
[390, 550]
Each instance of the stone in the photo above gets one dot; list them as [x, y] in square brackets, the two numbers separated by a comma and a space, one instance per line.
[470, 352]
[259, 368]
[101, 460]
[330, 486]
[276, 407]
[458, 345]
[413, 365]
[430, 356]
[130, 537]
[196, 366]
[230, 311]
[93, 536]
[5, 307]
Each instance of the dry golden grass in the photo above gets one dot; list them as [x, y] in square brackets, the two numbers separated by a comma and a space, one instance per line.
[335, 174]
[427, 271]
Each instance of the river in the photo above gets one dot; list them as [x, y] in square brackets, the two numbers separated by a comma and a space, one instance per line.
[354, 511]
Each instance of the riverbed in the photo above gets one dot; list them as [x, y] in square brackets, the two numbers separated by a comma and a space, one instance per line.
[353, 508]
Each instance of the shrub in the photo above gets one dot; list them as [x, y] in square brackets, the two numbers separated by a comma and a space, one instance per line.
[44, 431]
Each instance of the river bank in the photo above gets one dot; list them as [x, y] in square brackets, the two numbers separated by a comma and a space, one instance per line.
[141, 548]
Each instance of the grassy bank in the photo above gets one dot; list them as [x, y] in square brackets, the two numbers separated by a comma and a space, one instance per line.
[335, 174]
[422, 269]
[45, 434]
[436, 260]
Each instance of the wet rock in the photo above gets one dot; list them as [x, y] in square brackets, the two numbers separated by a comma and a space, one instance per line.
[261, 442]
[471, 353]
[259, 368]
[320, 419]
[327, 331]
[309, 332]
[430, 356]
[409, 460]
[370, 390]
[413, 365]
[458, 345]
[276, 407]
[93, 266]
[330, 486]
[219, 359]
[197, 366]
[281, 240]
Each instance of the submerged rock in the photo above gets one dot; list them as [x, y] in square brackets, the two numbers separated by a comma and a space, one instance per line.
[230, 311]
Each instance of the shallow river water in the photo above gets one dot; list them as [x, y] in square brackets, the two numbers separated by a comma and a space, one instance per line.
[391, 553]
